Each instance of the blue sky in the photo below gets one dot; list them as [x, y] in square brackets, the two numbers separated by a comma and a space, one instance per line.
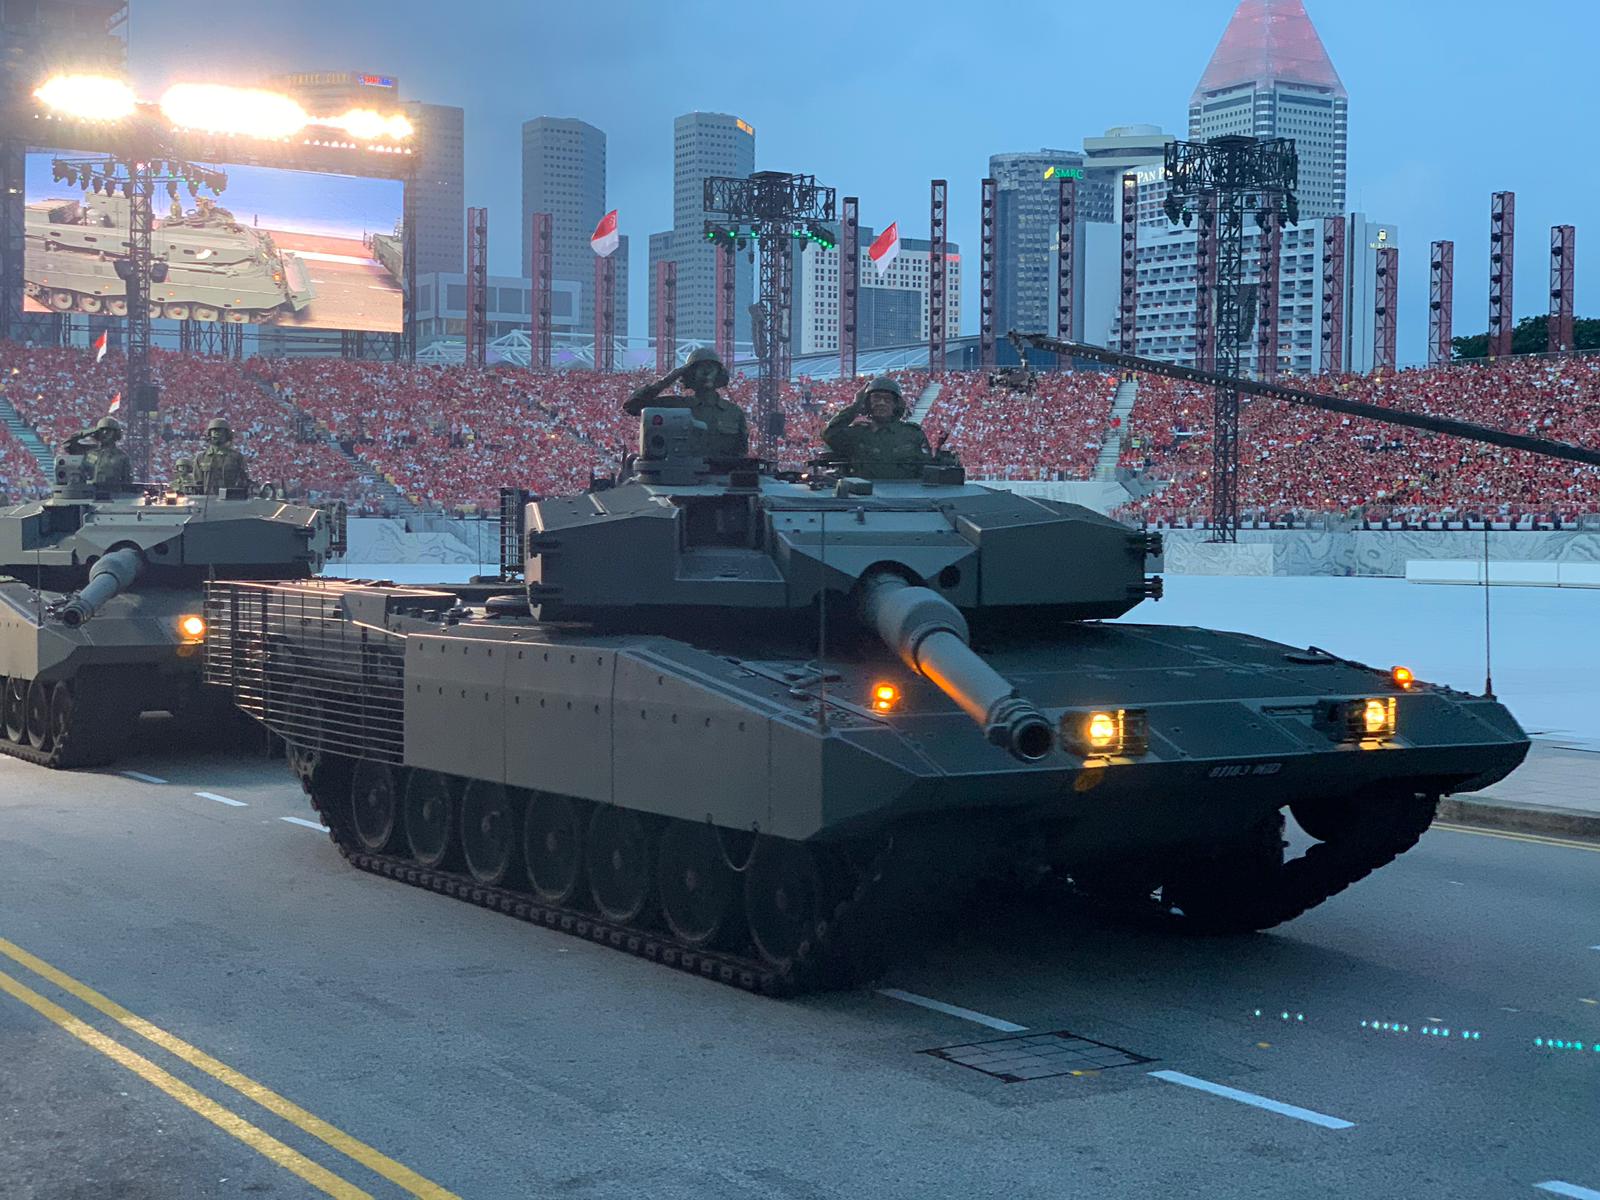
[1448, 102]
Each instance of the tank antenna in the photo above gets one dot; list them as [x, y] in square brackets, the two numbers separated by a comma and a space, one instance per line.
[1488, 658]
[822, 622]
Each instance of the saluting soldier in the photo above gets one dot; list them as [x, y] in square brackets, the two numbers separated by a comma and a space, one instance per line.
[219, 465]
[887, 446]
[727, 434]
[108, 467]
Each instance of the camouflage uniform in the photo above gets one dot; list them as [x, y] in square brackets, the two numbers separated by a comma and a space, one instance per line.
[727, 434]
[893, 449]
[108, 467]
[219, 465]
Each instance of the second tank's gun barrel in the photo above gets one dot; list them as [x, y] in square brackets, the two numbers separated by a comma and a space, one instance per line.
[930, 635]
[111, 574]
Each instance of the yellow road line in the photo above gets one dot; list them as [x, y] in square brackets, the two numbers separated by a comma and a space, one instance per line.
[259, 1140]
[1512, 836]
[396, 1173]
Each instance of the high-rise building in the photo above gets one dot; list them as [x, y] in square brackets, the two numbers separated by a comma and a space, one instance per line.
[564, 174]
[439, 200]
[1027, 193]
[330, 93]
[1271, 77]
[703, 145]
[892, 306]
[1106, 159]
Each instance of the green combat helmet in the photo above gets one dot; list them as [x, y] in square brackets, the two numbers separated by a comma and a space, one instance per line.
[109, 425]
[705, 354]
[888, 383]
[219, 425]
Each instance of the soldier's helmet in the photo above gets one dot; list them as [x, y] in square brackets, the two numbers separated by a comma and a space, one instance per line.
[109, 425]
[888, 383]
[183, 466]
[704, 354]
[218, 425]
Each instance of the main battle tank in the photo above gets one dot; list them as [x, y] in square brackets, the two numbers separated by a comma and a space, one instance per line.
[208, 266]
[742, 724]
[101, 599]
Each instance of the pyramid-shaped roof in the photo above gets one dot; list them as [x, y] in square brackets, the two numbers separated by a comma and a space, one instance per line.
[1270, 40]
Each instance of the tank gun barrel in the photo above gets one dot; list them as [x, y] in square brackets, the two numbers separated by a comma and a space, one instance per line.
[930, 636]
[111, 574]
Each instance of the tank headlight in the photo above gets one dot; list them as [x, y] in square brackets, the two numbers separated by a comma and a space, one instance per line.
[885, 696]
[192, 627]
[1121, 733]
[1369, 720]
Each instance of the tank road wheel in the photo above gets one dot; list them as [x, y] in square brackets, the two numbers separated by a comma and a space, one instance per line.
[204, 312]
[38, 715]
[16, 710]
[489, 828]
[429, 811]
[697, 884]
[117, 307]
[62, 301]
[236, 316]
[783, 899]
[374, 804]
[175, 312]
[552, 847]
[90, 304]
[1329, 820]
[61, 706]
[620, 858]
[1231, 890]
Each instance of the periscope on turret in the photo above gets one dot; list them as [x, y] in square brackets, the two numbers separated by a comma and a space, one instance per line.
[738, 719]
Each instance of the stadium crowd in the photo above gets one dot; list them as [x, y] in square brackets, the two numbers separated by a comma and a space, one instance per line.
[447, 437]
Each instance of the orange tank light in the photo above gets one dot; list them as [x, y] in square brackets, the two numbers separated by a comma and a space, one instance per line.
[1403, 677]
[885, 696]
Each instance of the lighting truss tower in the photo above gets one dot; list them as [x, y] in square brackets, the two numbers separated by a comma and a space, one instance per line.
[1502, 267]
[1384, 306]
[1441, 301]
[477, 285]
[1333, 251]
[725, 283]
[1205, 287]
[849, 283]
[1270, 245]
[938, 267]
[1233, 174]
[544, 271]
[138, 179]
[1066, 256]
[986, 266]
[666, 330]
[1128, 300]
[773, 208]
[406, 339]
[605, 314]
[1563, 250]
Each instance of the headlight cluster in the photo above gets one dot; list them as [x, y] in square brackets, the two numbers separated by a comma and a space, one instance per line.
[1367, 721]
[1112, 733]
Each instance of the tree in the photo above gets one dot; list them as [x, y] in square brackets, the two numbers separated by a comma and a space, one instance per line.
[1530, 337]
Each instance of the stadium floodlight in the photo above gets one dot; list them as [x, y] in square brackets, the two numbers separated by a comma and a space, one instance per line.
[244, 112]
[88, 97]
[369, 126]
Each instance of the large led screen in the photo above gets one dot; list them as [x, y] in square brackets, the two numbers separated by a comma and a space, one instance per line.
[291, 249]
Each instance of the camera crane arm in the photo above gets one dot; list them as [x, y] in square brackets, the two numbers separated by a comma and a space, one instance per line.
[1277, 391]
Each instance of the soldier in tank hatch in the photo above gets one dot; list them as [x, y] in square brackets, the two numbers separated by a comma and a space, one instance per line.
[887, 446]
[219, 465]
[727, 434]
[108, 467]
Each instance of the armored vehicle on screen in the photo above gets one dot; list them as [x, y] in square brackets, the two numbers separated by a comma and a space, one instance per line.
[737, 722]
[101, 603]
[208, 267]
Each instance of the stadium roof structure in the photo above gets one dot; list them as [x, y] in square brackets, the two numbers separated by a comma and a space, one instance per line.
[1270, 41]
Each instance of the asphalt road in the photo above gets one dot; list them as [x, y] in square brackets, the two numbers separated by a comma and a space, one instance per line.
[198, 998]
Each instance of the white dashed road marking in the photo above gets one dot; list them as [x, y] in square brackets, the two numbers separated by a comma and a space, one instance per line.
[142, 777]
[966, 1014]
[1556, 1187]
[308, 824]
[1250, 1098]
[228, 800]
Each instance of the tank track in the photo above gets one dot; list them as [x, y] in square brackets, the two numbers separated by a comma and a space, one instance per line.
[101, 726]
[834, 957]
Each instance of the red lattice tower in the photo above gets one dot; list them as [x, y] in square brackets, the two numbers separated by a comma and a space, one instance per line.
[849, 283]
[1066, 257]
[1563, 253]
[542, 330]
[725, 305]
[1128, 300]
[1270, 246]
[1384, 305]
[986, 273]
[666, 316]
[477, 325]
[605, 313]
[1333, 295]
[1441, 302]
[938, 265]
[1502, 263]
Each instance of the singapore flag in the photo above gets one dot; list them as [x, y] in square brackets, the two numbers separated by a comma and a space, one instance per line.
[885, 248]
[605, 236]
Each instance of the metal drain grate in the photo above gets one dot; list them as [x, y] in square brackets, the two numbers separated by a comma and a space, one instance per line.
[1038, 1056]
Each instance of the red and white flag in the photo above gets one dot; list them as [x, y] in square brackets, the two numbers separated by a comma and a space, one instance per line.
[885, 248]
[116, 403]
[99, 346]
[605, 236]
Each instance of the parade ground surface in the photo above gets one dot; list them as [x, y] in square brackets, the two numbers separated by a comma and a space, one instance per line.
[198, 998]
